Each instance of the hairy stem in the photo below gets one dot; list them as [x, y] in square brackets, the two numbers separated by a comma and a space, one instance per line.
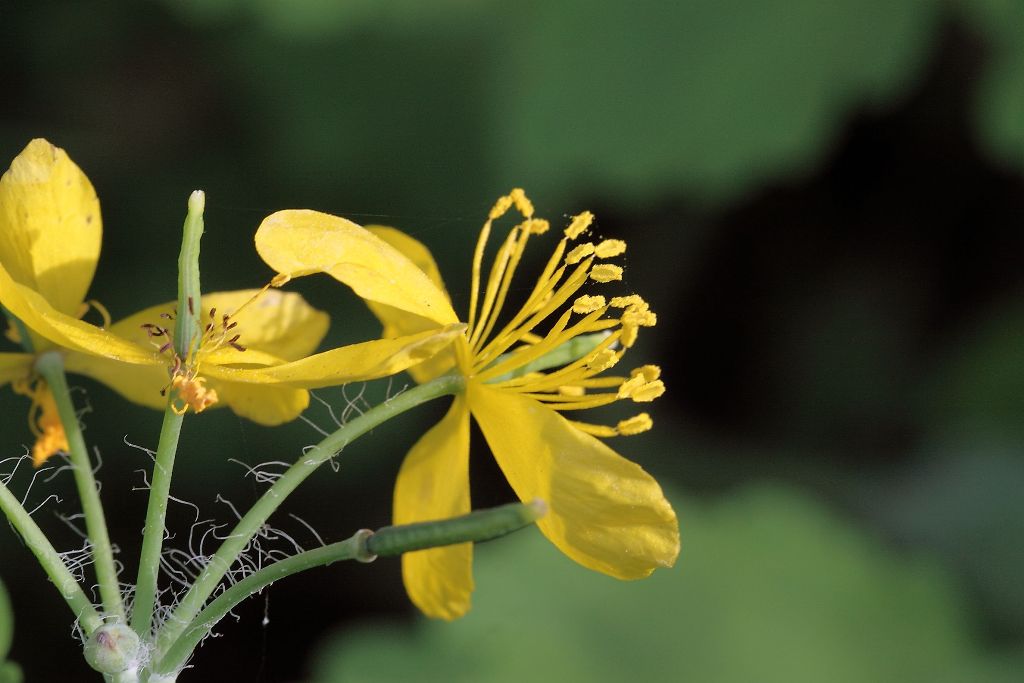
[257, 516]
[184, 330]
[365, 546]
[51, 366]
[51, 562]
[156, 516]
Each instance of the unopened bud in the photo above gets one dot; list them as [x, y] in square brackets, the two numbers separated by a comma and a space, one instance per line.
[112, 648]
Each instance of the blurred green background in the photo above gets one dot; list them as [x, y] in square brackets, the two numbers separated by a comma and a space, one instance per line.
[824, 202]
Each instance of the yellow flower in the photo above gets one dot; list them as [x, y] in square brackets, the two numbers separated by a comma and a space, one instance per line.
[605, 512]
[50, 232]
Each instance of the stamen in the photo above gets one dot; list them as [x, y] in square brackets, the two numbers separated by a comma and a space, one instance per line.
[571, 390]
[649, 372]
[104, 313]
[606, 272]
[579, 224]
[588, 304]
[626, 301]
[610, 248]
[192, 392]
[579, 253]
[43, 420]
[523, 205]
[640, 389]
[635, 425]
[536, 226]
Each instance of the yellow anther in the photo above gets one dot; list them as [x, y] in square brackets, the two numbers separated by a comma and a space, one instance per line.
[571, 390]
[630, 386]
[587, 304]
[649, 372]
[500, 207]
[639, 316]
[579, 253]
[606, 272]
[579, 223]
[648, 392]
[536, 226]
[627, 301]
[523, 205]
[610, 248]
[602, 360]
[635, 425]
[193, 394]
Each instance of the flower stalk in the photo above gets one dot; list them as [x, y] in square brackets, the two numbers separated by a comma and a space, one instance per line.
[364, 546]
[51, 366]
[256, 517]
[163, 466]
[50, 561]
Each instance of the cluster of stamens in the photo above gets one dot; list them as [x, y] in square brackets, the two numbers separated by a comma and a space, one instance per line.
[187, 387]
[43, 419]
[508, 358]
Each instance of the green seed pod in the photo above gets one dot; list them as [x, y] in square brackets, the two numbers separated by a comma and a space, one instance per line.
[112, 648]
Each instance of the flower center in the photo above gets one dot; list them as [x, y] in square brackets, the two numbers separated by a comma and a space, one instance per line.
[188, 388]
[584, 334]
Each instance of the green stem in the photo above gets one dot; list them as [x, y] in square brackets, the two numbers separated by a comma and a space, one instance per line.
[51, 562]
[476, 527]
[185, 327]
[51, 366]
[255, 518]
[156, 516]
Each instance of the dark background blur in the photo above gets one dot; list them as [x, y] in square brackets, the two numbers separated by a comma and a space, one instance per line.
[824, 202]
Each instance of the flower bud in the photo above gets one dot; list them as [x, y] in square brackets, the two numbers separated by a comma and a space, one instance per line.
[112, 648]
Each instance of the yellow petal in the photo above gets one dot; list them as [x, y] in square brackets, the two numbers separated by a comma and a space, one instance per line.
[355, 363]
[14, 366]
[138, 383]
[434, 484]
[397, 322]
[66, 331]
[606, 512]
[300, 242]
[50, 227]
[279, 323]
[263, 404]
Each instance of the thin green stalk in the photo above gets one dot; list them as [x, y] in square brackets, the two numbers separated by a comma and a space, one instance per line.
[185, 329]
[255, 518]
[156, 517]
[364, 545]
[51, 562]
[51, 366]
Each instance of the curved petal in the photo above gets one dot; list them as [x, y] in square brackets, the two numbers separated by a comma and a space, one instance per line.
[300, 242]
[279, 323]
[14, 365]
[263, 404]
[433, 484]
[141, 384]
[397, 322]
[606, 512]
[138, 383]
[50, 228]
[40, 317]
[354, 363]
